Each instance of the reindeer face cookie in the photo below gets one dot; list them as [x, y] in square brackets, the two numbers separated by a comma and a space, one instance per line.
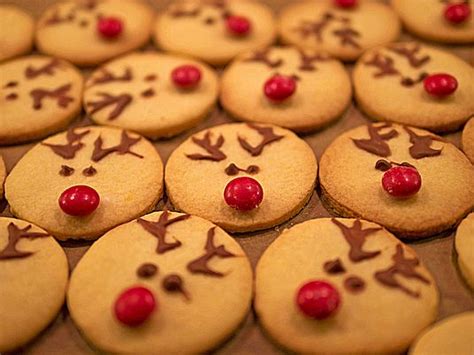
[330, 279]
[410, 181]
[34, 274]
[168, 283]
[343, 31]
[243, 177]
[214, 30]
[83, 182]
[89, 32]
[38, 95]
[145, 92]
[435, 87]
[16, 31]
[296, 89]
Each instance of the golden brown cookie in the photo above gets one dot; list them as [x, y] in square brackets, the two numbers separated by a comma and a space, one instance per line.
[463, 243]
[16, 32]
[468, 140]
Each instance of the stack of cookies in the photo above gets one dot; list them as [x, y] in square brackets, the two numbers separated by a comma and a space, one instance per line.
[170, 166]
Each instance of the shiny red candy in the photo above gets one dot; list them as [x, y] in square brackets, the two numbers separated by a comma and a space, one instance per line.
[401, 181]
[345, 3]
[457, 13]
[279, 87]
[79, 200]
[186, 76]
[318, 299]
[110, 27]
[238, 25]
[243, 193]
[440, 85]
[134, 306]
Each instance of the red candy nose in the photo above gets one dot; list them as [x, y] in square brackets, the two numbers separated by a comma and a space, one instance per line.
[401, 181]
[279, 87]
[440, 85]
[345, 3]
[457, 13]
[110, 27]
[134, 306]
[186, 76]
[318, 299]
[243, 193]
[79, 200]
[238, 25]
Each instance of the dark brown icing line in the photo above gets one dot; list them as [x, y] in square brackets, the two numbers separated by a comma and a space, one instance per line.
[307, 61]
[384, 165]
[119, 101]
[421, 145]
[233, 170]
[174, 283]
[376, 143]
[105, 76]
[14, 235]
[334, 267]
[46, 69]
[60, 95]
[73, 145]
[124, 147]
[262, 56]
[215, 154]
[148, 93]
[410, 54]
[268, 137]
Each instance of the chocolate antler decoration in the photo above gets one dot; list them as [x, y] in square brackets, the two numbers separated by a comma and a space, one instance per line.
[14, 236]
[385, 65]
[200, 265]
[126, 142]
[308, 60]
[158, 230]
[315, 28]
[410, 54]
[348, 36]
[402, 266]
[56, 18]
[60, 94]
[120, 101]
[215, 154]
[262, 56]
[48, 69]
[107, 76]
[73, 145]
[267, 137]
[355, 237]
[376, 144]
[420, 147]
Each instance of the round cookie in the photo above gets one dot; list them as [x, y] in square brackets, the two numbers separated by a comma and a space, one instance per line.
[425, 18]
[123, 168]
[199, 171]
[184, 262]
[89, 32]
[355, 166]
[452, 335]
[344, 33]
[385, 292]
[468, 140]
[323, 88]
[16, 32]
[389, 86]
[3, 173]
[38, 95]
[199, 28]
[137, 92]
[463, 244]
[34, 274]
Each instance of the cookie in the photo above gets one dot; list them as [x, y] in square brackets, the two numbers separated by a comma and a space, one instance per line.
[156, 95]
[34, 274]
[410, 181]
[3, 173]
[465, 251]
[325, 279]
[414, 84]
[16, 32]
[214, 30]
[447, 21]
[39, 95]
[80, 183]
[295, 89]
[243, 177]
[158, 278]
[468, 140]
[343, 32]
[452, 335]
[89, 32]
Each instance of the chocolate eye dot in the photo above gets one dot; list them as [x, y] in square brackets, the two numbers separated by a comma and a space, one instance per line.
[354, 284]
[147, 270]
[90, 171]
[66, 170]
[173, 283]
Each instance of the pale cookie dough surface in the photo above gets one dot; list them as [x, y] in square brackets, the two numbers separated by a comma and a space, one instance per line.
[322, 94]
[425, 18]
[213, 301]
[68, 29]
[373, 318]
[136, 92]
[287, 171]
[343, 33]
[468, 140]
[16, 32]
[450, 336]
[127, 173]
[446, 194]
[39, 95]
[388, 84]
[198, 28]
[464, 244]
[34, 274]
